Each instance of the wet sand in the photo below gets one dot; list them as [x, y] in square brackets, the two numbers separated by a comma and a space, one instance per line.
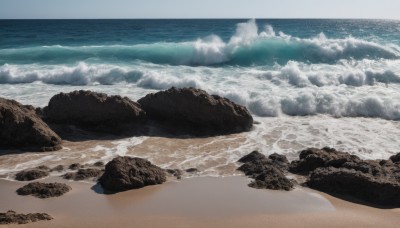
[195, 202]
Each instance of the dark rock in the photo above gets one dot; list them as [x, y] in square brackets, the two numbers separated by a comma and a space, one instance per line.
[21, 128]
[31, 174]
[267, 173]
[125, 173]
[395, 158]
[196, 111]
[280, 161]
[357, 184]
[11, 217]
[75, 166]
[58, 168]
[192, 170]
[44, 190]
[83, 174]
[175, 172]
[253, 156]
[99, 164]
[272, 178]
[95, 111]
[313, 158]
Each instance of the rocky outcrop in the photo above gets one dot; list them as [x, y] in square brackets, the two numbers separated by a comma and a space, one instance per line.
[125, 173]
[361, 185]
[313, 158]
[21, 128]
[11, 217]
[95, 111]
[31, 174]
[196, 111]
[44, 190]
[268, 173]
[83, 174]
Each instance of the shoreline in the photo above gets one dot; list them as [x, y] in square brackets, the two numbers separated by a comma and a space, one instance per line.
[194, 202]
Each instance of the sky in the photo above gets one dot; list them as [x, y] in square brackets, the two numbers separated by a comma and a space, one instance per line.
[65, 9]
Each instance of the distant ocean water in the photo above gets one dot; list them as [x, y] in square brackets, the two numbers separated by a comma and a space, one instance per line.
[289, 73]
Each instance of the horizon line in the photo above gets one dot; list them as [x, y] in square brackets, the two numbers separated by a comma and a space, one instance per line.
[205, 18]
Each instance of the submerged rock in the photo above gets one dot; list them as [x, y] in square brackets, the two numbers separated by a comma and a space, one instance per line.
[11, 217]
[196, 111]
[125, 173]
[83, 174]
[21, 128]
[31, 174]
[44, 190]
[357, 184]
[75, 166]
[175, 172]
[95, 111]
[58, 168]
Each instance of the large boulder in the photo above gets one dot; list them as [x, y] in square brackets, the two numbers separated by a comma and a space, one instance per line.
[44, 190]
[125, 173]
[95, 111]
[11, 217]
[357, 184]
[196, 111]
[21, 128]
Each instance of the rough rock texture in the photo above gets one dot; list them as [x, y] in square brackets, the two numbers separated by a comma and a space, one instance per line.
[272, 178]
[11, 217]
[125, 173]
[31, 174]
[267, 172]
[20, 127]
[313, 158]
[395, 158]
[83, 174]
[196, 111]
[44, 190]
[95, 111]
[357, 184]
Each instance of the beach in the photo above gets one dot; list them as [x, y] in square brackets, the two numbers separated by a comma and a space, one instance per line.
[195, 202]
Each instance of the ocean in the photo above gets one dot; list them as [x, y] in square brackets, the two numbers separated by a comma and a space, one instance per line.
[308, 83]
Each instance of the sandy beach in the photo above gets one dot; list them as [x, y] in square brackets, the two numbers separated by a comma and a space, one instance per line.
[195, 202]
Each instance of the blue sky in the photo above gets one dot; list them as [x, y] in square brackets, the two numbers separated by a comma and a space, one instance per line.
[388, 9]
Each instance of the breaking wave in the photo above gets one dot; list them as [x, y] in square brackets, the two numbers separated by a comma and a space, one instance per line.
[248, 46]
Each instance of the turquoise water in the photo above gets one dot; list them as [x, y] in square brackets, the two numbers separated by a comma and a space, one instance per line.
[274, 67]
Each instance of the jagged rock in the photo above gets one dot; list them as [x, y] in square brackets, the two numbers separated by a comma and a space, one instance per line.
[357, 184]
[272, 178]
[395, 158]
[44, 190]
[267, 172]
[31, 174]
[83, 174]
[21, 128]
[95, 111]
[253, 156]
[11, 217]
[196, 111]
[43, 167]
[125, 173]
[313, 158]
